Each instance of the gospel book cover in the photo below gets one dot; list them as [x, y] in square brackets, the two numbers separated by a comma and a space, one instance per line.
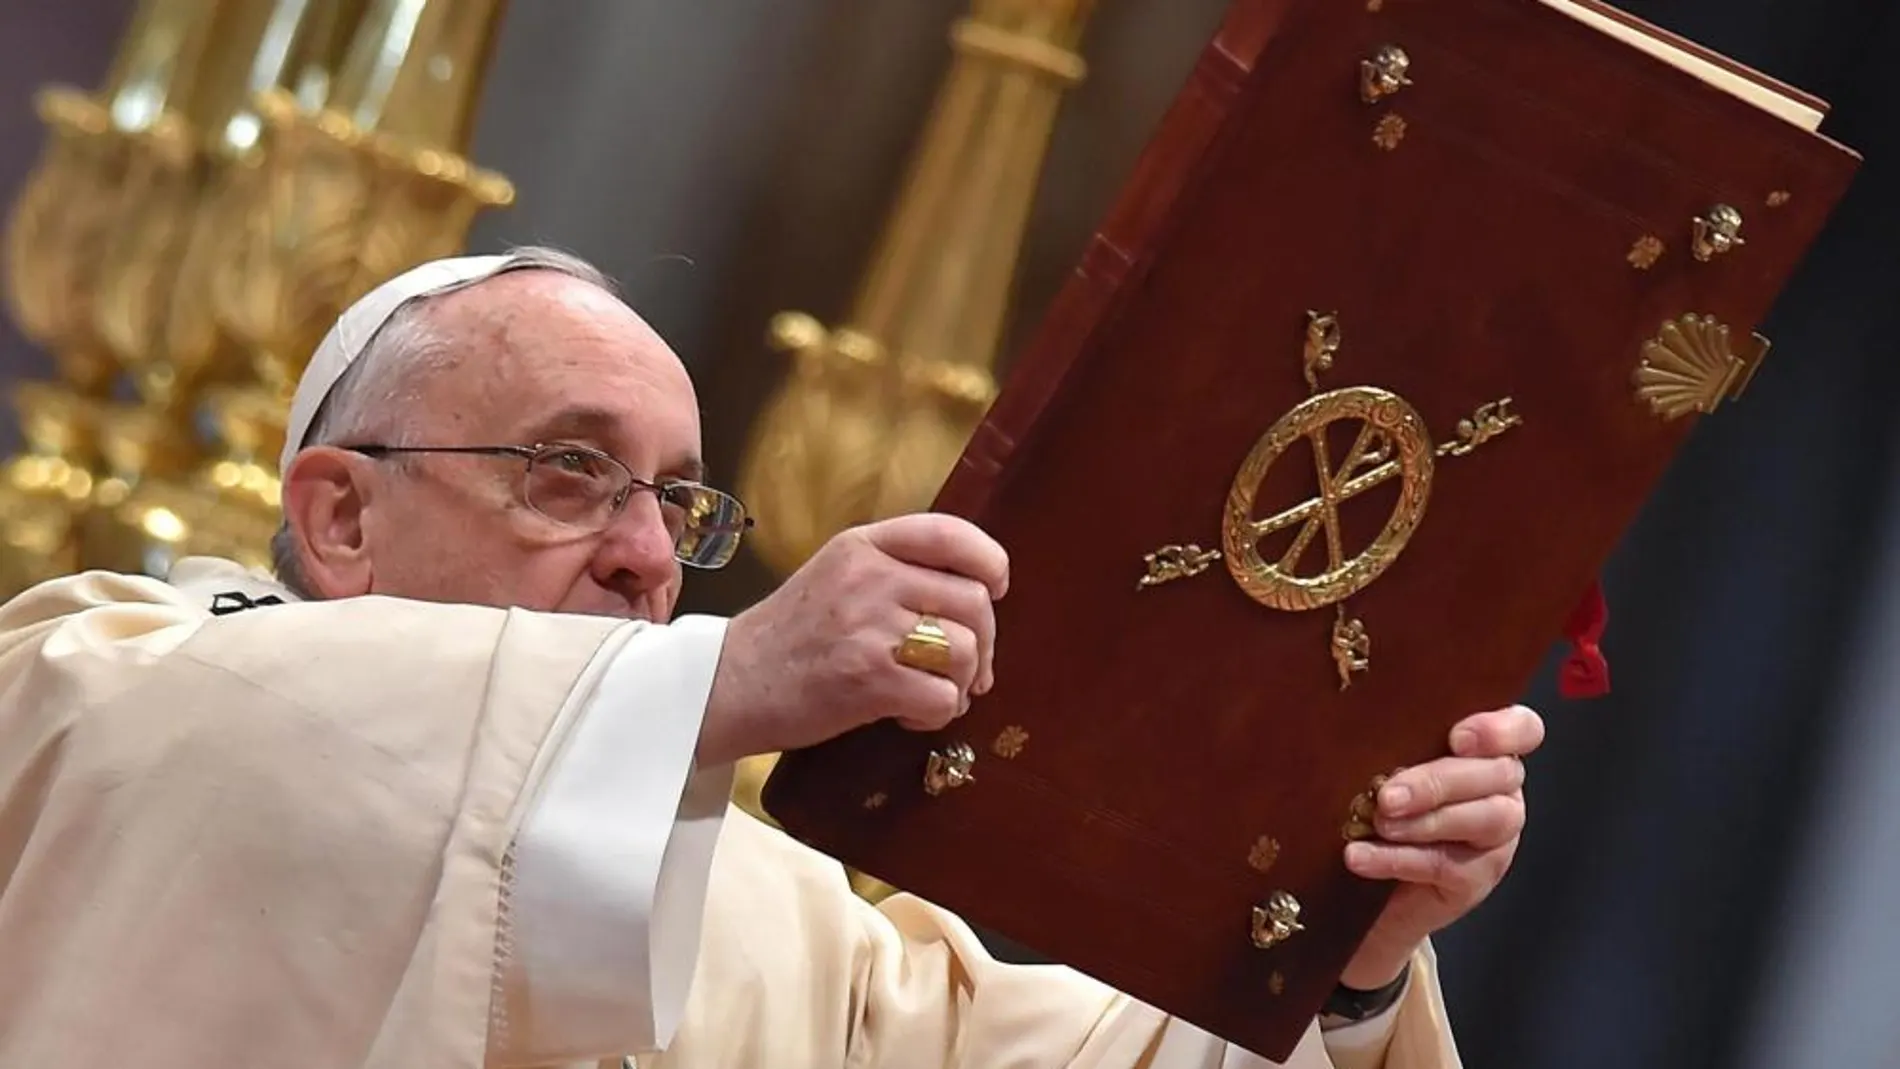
[1399, 319]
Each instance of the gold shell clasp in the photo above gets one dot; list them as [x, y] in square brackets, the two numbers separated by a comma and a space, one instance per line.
[1694, 364]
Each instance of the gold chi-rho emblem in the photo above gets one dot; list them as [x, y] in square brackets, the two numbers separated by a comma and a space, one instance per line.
[1390, 442]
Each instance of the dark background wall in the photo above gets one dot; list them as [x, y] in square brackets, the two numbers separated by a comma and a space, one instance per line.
[1707, 877]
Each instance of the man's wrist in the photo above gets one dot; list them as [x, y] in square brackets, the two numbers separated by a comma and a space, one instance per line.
[725, 736]
[1374, 968]
[1351, 1005]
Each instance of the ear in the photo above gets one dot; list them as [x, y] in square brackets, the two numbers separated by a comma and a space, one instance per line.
[325, 494]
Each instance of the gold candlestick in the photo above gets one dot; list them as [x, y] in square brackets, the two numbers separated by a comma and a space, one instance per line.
[66, 228]
[351, 193]
[315, 205]
[151, 301]
[876, 410]
[44, 489]
[250, 168]
[227, 507]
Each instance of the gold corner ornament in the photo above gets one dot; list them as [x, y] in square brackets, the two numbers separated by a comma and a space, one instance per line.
[1360, 814]
[1693, 364]
[1276, 920]
[1386, 73]
[1391, 443]
[1364, 809]
[949, 768]
[1718, 232]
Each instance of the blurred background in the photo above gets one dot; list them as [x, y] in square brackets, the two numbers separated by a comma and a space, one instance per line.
[845, 214]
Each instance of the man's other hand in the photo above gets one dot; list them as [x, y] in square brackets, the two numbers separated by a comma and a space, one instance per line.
[1447, 830]
[816, 658]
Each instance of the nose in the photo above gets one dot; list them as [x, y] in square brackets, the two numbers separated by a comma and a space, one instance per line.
[635, 554]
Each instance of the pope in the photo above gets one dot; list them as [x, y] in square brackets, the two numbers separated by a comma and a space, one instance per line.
[451, 788]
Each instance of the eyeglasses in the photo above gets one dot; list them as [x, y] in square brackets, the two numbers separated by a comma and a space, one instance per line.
[587, 489]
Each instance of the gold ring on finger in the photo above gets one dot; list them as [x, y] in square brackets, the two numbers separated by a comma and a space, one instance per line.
[926, 648]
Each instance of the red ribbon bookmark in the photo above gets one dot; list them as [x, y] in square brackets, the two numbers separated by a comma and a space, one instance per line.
[1585, 673]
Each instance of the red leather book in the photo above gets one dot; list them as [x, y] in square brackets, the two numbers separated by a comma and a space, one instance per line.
[1400, 318]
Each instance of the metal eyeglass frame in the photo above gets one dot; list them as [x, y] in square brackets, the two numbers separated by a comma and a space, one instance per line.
[532, 454]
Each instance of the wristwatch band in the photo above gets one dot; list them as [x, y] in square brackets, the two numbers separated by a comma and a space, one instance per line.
[1348, 1005]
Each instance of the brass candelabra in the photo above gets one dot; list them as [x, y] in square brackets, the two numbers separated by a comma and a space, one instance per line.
[249, 168]
[874, 411]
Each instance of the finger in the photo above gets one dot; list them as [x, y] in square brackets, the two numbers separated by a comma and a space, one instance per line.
[952, 598]
[946, 543]
[937, 704]
[1459, 873]
[1447, 781]
[924, 700]
[1484, 823]
[1514, 732]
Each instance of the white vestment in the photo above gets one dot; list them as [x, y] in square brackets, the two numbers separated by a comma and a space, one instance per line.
[239, 829]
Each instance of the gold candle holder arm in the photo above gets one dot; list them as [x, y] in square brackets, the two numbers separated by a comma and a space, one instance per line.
[57, 233]
[151, 302]
[875, 411]
[251, 167]
[352, 193]
[151, 306]
[62, 227]
[65, 239]
[415, 70]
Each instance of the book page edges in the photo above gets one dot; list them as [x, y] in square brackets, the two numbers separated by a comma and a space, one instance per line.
[1791, 111]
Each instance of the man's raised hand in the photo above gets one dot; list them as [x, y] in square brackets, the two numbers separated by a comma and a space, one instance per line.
[817, 657]
[1447, 832]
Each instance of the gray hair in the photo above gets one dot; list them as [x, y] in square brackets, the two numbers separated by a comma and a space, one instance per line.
[373, 397]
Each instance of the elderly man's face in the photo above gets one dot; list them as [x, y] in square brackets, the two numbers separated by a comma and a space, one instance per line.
[540, 358]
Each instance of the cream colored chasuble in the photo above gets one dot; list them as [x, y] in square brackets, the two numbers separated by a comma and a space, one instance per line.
[241, 830]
